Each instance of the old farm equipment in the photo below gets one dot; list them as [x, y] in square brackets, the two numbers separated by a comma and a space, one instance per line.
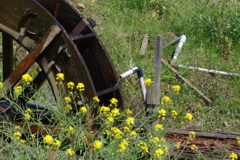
[59, 40]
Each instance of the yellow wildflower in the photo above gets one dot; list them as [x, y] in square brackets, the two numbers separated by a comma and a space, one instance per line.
[174, 113]
[158, 153]
[155, 140]
[166, 99]
[176, 88]
[178, 145]
[233, 156]
[28, 110]
[57, 143]
[22, 141]
[128, 111]
[107, 132]
[238, 140]
[143, 146]
[70, 85]
[60, 76]
[134, 134]
[48, 139]
[158, 127]
[96, 99]
[27, 116]
[70, 128]
[130, 121]
[192, 134]
[80, 87]
[17, 134]
[115, 112]
[110, 120]
[67, 99]
[104, 110]
[68, 107]
[97, 145]
[70, 152]
[83, 109]
[17, 127]
[126, 129]
[188, 116]
[162, 112]
[1, 85]
[18, 89]
[117, 133]
[148, 82]
[27, 78]
[113, 101]
[193, 147]
[122, 146]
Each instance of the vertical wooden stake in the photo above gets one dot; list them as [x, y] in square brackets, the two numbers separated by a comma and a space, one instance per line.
[7, 48]
[153, 93]
[144, 44]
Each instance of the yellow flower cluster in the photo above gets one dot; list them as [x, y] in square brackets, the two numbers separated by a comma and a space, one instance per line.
[70, 152]
[80, 87]
[130, 121]
[60, 76]
[96, 99]
[178, 145]
[1, 85]
[117, 133]
[67, 99]
[233, 156]
[238, 140]
[70, 85]
[176, 88]
[162, 113]
[122, 146]
[115, 112]
[148, 82]
[166, 99]
[48, 139]
[113, 101]
[18, 89]
[27, 78]
[192, 134]
[17, 135]
[143, 145]
[158, 153]
[104, 110]
[188, 116]
[97, 145]
[193, 147]
[83, 109]
[68, 107]
[158, 127]
[174, 113]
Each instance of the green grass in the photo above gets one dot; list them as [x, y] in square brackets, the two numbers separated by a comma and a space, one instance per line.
[212, 42]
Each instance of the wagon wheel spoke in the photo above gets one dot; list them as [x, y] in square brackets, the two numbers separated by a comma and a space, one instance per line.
[39, 49]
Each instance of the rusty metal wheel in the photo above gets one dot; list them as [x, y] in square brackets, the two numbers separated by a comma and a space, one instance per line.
[59, 40]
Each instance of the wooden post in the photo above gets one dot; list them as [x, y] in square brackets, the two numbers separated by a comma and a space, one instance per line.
[144, 44]
[153, 91]
[7, 48]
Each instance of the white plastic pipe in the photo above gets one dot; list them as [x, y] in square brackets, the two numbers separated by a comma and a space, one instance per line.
[209, 70]
[137, 70]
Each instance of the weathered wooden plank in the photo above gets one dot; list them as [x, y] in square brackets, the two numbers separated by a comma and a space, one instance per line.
[204, 134]
[144, 44]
